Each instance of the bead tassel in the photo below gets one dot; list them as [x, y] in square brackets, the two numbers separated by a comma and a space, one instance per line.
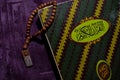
[25, 52]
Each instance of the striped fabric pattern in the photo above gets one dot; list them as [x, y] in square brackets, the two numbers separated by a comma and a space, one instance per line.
[68, 54]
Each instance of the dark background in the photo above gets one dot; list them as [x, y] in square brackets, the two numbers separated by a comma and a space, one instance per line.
[13, 17]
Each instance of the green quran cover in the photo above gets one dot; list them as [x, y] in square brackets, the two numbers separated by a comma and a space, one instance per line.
[84, 39]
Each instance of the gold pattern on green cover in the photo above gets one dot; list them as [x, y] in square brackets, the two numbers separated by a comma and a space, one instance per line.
[113, 41]
[44, 14]
[86, 51]
[82, 61]
[99, 8]
[67, 28]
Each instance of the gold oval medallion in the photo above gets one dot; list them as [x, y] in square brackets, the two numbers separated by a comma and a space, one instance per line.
[89, 30]
[103, 70]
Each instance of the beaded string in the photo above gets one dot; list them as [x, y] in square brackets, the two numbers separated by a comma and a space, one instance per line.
[25, 51]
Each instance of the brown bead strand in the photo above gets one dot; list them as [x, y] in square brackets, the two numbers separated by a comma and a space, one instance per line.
[25, 51]
[47, 24]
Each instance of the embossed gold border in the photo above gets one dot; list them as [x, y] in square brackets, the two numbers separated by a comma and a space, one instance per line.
[44, 14]
[113, 41]
[65, 33]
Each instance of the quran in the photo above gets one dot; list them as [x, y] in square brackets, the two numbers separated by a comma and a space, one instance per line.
[84, 39]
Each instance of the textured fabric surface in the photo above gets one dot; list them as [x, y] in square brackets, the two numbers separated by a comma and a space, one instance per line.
[13, 18]
[77, 61]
